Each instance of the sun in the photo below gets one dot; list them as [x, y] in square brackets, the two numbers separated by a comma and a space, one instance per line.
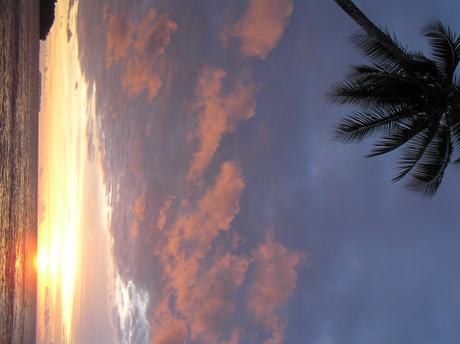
[42, 261]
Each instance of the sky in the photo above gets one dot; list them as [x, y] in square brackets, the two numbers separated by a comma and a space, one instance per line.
[190, 192]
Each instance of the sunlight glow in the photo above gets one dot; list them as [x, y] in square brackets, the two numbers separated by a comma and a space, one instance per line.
[54, 258]
[42, 261]
[61, 158]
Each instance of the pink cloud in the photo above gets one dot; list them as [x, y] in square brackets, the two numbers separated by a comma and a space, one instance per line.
[164, 209]
[154, 33]
[167, 328]
[218, 114]
[139, 206]
[275, 279]
[217, 208]
[172, 331]
[261, 27]
[140, 48]
[202, 282]
[138, 76]
[234, 336]
[215, 297]
[145, 68]
[138, 214]
[120, 29]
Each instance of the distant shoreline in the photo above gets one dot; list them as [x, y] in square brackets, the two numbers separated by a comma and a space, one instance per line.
[47, 9]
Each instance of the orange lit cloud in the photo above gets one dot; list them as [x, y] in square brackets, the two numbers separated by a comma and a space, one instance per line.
[218, 114]
[217, 208]
[211, 300]
[141, 47]
[275, 280]
[154, 33]
[234, 336]
[167, 328]
[164, 209]
[261, 27]
[136, 149]
[138, 214]
[138, 77]
[139, 206]
[202, 283]
[120, 29]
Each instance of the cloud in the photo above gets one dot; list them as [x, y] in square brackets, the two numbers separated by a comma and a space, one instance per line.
[164, 209]
[217, 208]
[140, 48]
[275, 278]
[215, 297]
[218, 114]
[234, 336]
[129, 309]
[120, 29]
[41, 212]
[138, 214]
[202, 278]
[154, 33]
[261, 27]
[138, 76]
[167, 328]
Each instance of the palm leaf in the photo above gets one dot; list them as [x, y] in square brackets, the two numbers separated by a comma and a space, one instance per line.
[375, 50]
[360, 125]
[409, 100]
[411, 124]
[428, 173]
[454, 118]
[395, 71]
[412, 154]
[367, 90]
[445, 45]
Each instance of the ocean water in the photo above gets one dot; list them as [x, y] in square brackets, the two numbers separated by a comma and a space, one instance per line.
[19, 101]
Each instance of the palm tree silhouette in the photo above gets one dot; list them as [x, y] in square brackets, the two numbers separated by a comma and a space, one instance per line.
[404, 98]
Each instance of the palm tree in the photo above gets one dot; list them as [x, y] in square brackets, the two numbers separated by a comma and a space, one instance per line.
[404, 98]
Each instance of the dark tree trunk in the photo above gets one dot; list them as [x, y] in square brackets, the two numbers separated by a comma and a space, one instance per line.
[372, 30]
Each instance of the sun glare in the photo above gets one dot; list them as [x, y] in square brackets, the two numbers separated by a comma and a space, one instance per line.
[62, 159]
[42, 261]
[54, 258]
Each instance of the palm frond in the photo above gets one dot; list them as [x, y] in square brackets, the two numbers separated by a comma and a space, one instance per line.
[445, 45]
[362, 124]
[411, 124]
[428, 173]
[412, 153]
[427, 71]
[350, 92]
[453, 114]
[375, 69]
[456, 161]
[368, 89]
[374, 49]
[407, 99]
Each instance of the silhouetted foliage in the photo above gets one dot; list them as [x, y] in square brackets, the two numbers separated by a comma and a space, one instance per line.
[46, 17]
[405, 99]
